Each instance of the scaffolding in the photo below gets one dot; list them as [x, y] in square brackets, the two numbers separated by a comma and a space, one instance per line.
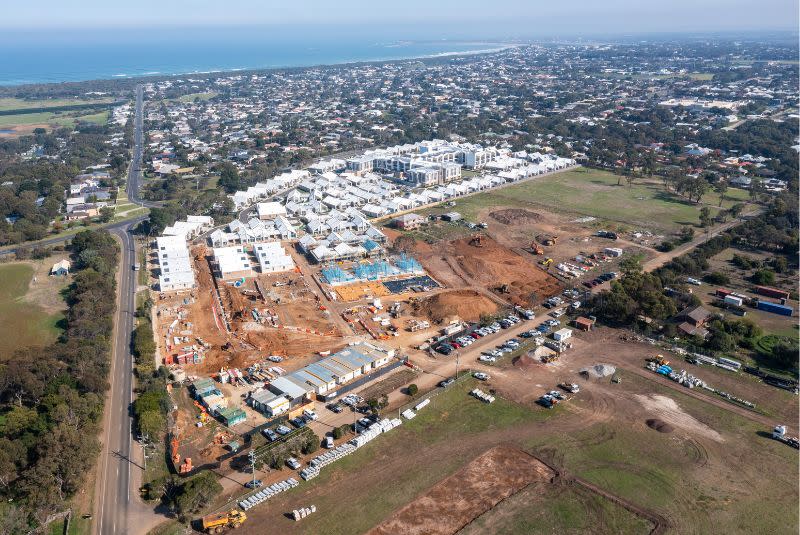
[372, 270]
[408, 264]
[335, 275]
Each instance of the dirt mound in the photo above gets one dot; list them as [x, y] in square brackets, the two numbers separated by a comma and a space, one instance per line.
[407, 244]
[524, 361]
[659, 425]
[468, 305]
[598, 371]
[515, 216]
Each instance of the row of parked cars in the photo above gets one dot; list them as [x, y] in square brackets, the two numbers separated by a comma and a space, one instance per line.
[298, 422]
[445, 348]
[600, 279]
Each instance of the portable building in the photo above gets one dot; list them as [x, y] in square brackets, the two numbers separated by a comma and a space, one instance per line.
[562, 334]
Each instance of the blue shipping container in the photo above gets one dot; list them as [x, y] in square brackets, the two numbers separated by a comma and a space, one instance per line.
[775, 308]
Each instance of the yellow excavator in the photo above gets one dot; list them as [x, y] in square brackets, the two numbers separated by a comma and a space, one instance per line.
[546, 262]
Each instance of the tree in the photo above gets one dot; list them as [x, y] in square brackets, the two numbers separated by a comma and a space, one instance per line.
[631, 264]
[196, 493]
[763, 276]
[106, 214]
[721, 188]
[705, 217]
[412, 389]
[229, 179]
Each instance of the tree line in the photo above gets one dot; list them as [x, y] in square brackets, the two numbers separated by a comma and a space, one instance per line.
[51, 398]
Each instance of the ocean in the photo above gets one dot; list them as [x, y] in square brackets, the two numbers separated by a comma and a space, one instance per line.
[51, 57]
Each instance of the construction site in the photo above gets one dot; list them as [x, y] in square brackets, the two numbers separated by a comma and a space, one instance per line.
[485, 463]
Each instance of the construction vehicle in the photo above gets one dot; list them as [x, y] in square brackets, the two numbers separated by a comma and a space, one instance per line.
[572, 388]
[536, 248]
[504, 289]
[477, 240]
[659, 360]
[219, 522]
[548, 241]
[546, 262]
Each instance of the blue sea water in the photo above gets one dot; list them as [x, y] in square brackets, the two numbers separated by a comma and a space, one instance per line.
[50, 57]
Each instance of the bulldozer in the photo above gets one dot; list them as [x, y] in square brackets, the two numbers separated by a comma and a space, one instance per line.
[219, 522]
[659, 360]
[536, 248]
[547, 241]
[477, 240]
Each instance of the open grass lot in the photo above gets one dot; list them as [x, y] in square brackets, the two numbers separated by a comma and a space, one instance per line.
[595, 193]
[23, 104]
[198, 96]
[700, 485]
[23, 323]
[568, 510]
[52, 118]
[708, 477]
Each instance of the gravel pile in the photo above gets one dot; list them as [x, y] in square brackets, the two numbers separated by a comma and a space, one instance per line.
[598, 371]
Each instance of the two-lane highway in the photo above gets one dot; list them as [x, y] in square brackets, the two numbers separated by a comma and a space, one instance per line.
[118, 507]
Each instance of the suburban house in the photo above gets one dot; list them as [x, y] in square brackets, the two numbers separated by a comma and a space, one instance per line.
[695, 319]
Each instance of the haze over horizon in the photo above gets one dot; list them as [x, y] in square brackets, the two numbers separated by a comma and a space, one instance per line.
[415, 18]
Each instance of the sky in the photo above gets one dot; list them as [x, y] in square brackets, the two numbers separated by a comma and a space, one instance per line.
[418, 18]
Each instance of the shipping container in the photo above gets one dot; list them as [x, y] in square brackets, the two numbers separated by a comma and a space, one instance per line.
[775, 308]
[722, 292]
[772, 292]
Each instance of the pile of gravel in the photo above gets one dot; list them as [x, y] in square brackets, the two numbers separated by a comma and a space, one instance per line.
[598, 371]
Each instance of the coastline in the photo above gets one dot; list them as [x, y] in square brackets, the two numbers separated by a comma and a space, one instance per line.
[154, 75]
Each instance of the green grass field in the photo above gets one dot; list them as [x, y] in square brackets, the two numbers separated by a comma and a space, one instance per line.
[201, 96]
[699, 485]
[595, 193]
[23, 104]
[51, 118]
[22, 324]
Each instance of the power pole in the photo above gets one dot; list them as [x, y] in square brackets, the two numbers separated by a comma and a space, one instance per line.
[252, 457]
[144, 452]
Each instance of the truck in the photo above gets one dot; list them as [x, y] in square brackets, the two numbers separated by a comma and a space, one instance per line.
[219, 522]
[779, 434]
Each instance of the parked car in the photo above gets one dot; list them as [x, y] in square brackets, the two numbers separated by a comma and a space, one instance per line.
[487, 358]
[329, 442]
[298, 422]
[292, 463]
[254, 484]
[270, 434]
[481, 376]
[444, 349]
[282, 430]
[447, 382]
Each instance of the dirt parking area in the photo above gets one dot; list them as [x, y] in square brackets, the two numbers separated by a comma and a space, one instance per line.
[457, 500]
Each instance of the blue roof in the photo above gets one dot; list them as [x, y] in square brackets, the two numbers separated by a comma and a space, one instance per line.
[369, 245]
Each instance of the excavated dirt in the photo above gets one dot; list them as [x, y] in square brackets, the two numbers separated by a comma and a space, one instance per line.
[515, 216]
[468, 305]
[494, 266]
[659, 425]
[457, 500]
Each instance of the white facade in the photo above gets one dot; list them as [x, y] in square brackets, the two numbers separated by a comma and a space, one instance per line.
[272, 257]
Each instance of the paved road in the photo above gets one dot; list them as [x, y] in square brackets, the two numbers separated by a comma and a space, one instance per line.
[116, 511]
[114, 496]
[135, 170]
